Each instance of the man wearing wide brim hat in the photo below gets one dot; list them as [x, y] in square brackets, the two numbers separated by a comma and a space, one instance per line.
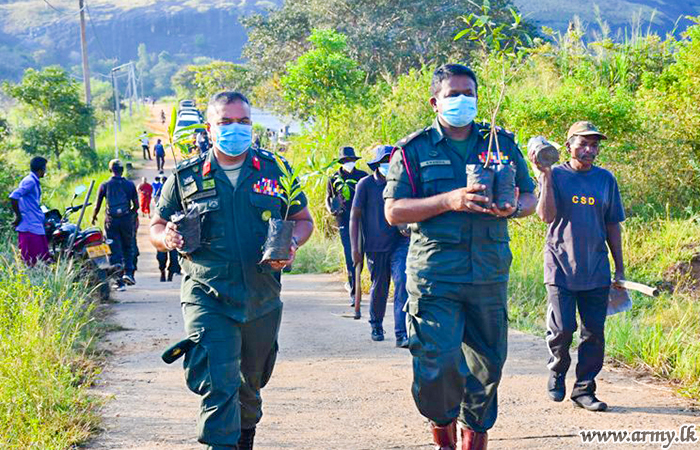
[581, 203]
[340, 192]
[384, 245]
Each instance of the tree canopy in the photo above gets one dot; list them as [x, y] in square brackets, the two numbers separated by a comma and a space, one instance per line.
[386, 37]
[56, 117]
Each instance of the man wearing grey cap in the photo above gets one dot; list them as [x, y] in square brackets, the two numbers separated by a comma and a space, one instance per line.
[582, 205]
[122, 208]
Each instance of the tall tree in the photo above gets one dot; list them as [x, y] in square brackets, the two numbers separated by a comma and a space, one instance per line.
[322, 78]
[57, 118]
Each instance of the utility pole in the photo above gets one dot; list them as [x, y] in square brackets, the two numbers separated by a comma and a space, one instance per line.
[129, 93]
[86, 68]
[117, 119]
[133, 83]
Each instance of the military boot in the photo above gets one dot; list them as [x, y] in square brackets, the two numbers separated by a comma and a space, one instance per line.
[445, 437]
[245, 442]
[473, 440]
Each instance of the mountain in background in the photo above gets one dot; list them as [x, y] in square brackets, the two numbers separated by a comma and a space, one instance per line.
[41, 32]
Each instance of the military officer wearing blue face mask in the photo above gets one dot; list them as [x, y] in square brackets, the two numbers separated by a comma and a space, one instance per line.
[458, 259]
[230, 302]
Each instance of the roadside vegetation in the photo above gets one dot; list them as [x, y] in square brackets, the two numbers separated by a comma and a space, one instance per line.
[49, 318]
[352, 85]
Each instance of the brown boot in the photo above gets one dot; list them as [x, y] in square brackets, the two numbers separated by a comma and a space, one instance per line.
[445, 437]
[472, 440]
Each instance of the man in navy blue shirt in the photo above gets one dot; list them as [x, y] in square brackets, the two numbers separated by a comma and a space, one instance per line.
[582, 205]
[385, 246]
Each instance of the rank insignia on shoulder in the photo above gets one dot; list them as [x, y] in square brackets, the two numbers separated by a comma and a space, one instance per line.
[267, 186]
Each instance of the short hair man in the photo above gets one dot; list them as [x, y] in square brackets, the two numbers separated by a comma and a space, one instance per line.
[230, 302]
[581, 203]
[122, 206]
[384, 245]
[159, 150]
[340, 192]
[145, 146]
[29, 218]
[458, 259]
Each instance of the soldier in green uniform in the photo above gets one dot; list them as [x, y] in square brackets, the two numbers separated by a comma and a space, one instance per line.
[458, 261]
[230, 301]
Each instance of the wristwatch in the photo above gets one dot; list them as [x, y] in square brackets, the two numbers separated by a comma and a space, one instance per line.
[515, 213]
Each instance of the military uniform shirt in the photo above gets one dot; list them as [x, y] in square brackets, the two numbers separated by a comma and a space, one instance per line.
[456, 247]
[234, 227]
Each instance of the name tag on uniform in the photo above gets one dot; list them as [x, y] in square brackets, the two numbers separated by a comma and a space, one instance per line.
[201, 195]
[435, 162]
[188, 180]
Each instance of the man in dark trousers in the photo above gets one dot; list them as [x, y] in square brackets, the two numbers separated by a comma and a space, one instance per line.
[385, 246]
[459, 258]
[145, 146]
[231, 302]
[122, 206]
[340, 193]
[582, 205]
[159, 150]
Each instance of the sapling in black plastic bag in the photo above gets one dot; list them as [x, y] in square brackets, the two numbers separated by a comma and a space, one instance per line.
[280, 231]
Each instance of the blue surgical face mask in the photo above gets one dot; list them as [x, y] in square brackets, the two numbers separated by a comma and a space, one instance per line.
[234, 139]
[458, 111]
[384, 169]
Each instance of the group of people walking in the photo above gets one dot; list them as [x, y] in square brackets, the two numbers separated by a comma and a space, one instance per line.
[419, 219]
[355, 199]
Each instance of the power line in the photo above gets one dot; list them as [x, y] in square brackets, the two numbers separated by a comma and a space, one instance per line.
[62, 12]
[94, 31]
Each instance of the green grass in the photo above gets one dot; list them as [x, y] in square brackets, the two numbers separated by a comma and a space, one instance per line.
[45, 324]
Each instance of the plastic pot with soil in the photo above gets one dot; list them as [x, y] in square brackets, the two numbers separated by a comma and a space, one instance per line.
[279, 240]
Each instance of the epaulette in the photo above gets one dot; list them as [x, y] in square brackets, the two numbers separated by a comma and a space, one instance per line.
[189, 162]
[412, 136]
[266, 154]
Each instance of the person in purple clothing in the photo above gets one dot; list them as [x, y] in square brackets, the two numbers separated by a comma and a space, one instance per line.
[29, 218]
[385, 246]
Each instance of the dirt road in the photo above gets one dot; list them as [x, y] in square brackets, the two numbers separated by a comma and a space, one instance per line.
[333, 388]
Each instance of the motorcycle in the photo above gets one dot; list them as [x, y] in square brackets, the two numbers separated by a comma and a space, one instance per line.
[67, 240]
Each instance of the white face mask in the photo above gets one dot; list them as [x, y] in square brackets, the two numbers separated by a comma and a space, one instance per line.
[384, 169]
[349, 166]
